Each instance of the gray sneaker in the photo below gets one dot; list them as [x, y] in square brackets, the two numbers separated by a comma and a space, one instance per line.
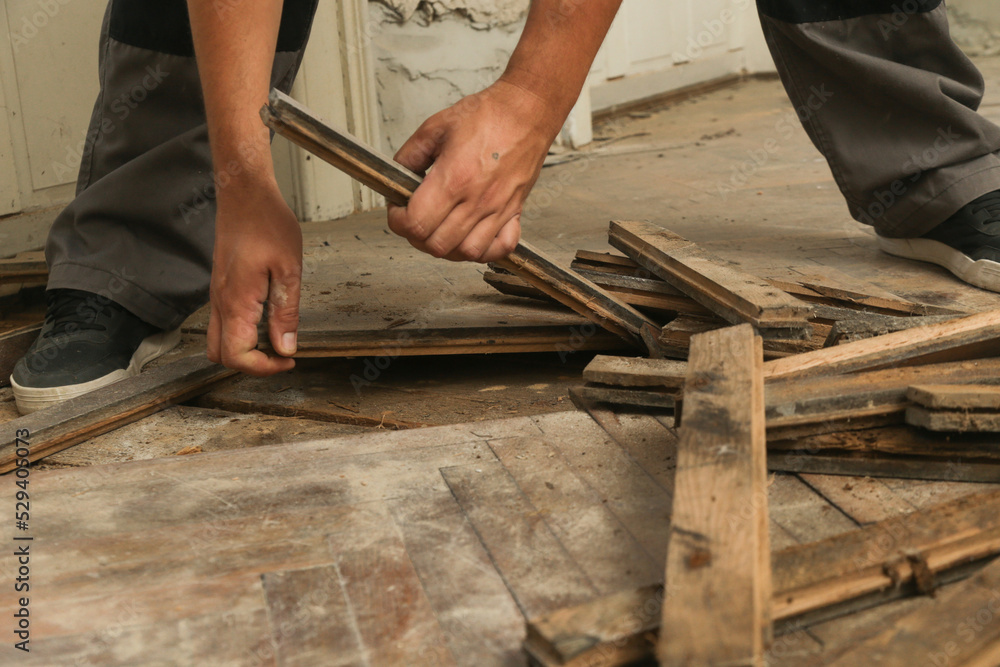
[87, 342]
[967, 243]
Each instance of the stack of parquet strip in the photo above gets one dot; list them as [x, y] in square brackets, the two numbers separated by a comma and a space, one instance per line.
[846, 378]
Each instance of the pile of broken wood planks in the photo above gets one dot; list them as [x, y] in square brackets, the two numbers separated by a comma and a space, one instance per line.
[810, 379]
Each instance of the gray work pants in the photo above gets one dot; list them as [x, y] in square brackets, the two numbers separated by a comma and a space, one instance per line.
[142, 226]
[887, 97]
[891, 102]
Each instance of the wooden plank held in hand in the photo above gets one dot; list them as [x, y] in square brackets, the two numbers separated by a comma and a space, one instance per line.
[732, 294]
[719, 560]
[66, 424]
[397, 184]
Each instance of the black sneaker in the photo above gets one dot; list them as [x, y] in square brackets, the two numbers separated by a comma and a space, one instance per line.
[87, 342]
[967, 243]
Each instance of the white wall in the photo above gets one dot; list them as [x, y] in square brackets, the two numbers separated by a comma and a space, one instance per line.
[428, 56]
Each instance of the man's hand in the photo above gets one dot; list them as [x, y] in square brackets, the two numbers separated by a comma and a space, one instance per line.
[488, 149]
[258, 258]
[487, 152]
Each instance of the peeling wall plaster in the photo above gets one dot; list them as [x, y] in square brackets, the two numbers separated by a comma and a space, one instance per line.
[422, 69]
[481, 14]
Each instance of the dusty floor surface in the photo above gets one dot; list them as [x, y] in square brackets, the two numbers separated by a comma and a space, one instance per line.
[688, 167]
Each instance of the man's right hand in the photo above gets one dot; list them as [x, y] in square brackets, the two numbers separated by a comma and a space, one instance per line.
[258, 259]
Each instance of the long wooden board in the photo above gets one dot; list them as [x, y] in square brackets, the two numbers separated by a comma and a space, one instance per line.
[390, 179]
[875, 564]
[66, 424]
[457, 340]
[718, 561]
[732, 294]
[972, 337]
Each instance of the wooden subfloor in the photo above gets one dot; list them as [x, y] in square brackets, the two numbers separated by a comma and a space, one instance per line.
[418, 519]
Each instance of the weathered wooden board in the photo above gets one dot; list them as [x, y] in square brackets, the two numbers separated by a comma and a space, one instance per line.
[958, 629]
[972, 337]
[718, 563]
[58, 427]
[539, 572]
[636, 372]
[732, 294]
[457, 340]
[953, 421]
[965, 396]
[874, 564]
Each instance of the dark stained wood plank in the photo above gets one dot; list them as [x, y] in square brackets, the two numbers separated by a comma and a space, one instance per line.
[732, 294]
[599, 543]
[479, 618]
[662, 401]
[972, 337]
[538, 571]
[64, 425]
[311, 621]
[718, 563]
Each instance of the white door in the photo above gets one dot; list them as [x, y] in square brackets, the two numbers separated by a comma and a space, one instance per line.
[655, 46]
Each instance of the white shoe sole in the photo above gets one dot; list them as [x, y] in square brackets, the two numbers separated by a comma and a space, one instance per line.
[30, 399]
[981, 273]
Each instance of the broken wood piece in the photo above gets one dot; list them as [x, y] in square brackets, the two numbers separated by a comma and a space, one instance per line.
[847, 328]
[675, 338]
[954, 421]
[77, 419]
[732, 294]
[861, 568]
[390, 179]
[636, 372]
[958, 628]
[955, 407]
[631, 398]
[956, 396]
[972, 337]
[718, 562]
[811, 406]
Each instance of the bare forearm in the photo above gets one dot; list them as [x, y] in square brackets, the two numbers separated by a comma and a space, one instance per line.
[235, 51]
[557, 48]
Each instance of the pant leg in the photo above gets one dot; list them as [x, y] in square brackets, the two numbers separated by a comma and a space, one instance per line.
[891, 102]
[142, 226]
